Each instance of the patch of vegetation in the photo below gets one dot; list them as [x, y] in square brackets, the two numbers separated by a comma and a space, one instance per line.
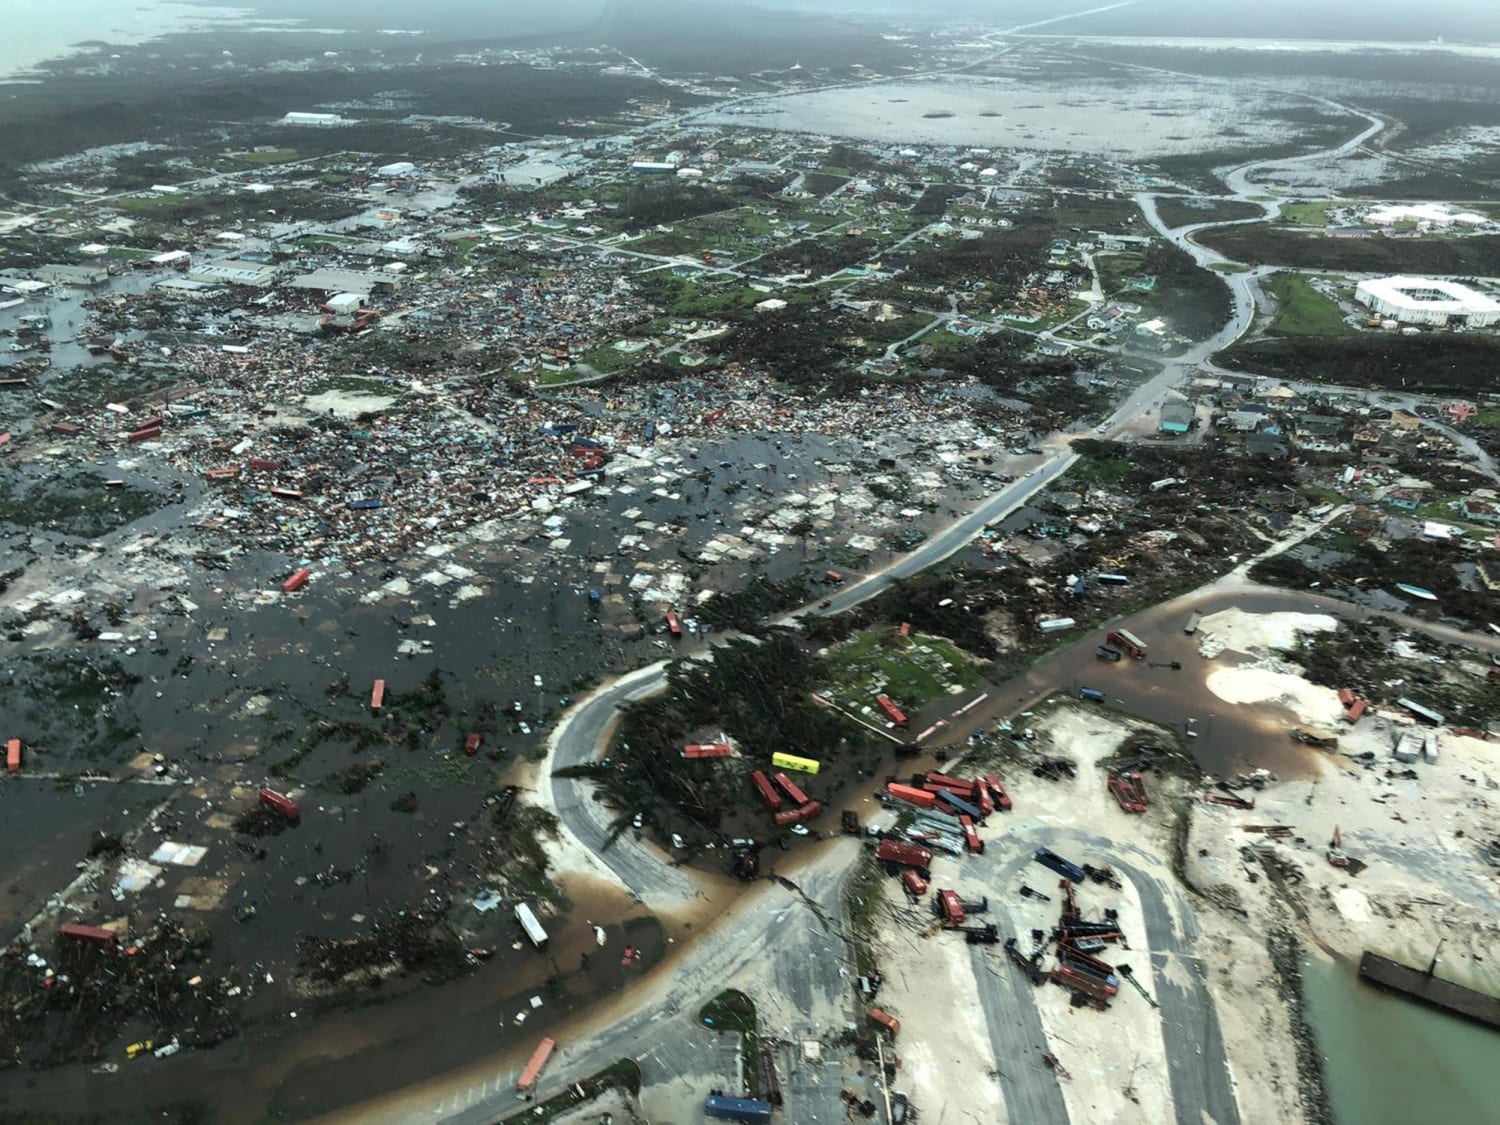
[68, 705]
[733, 1011]
[1305, 214]
[914, 669]
[1181, 211]
[1274, 244]
[758, 692]
[1430, 362]
[746, 609]
[1302, 310]
[864, 895]
[80, 504]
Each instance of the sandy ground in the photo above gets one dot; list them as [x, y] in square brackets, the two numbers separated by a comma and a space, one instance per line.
[1421, 838]
[946, 1063]
[1254, 633]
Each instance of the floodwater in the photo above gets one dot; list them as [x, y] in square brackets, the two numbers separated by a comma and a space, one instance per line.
[1387, 1061]
[40, 30]
[1099, 117]
[1229, 738]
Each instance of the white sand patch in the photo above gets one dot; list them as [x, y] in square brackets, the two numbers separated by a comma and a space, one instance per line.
[946, 1058]
[1352, 904]
[1254, 633]
[1251, 684]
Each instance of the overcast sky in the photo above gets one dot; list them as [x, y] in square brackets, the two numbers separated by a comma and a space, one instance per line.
[1410, 20]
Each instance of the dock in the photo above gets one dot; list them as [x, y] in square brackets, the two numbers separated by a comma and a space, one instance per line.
[1427, 989]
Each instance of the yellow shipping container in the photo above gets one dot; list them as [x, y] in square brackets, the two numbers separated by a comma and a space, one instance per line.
[792, 762]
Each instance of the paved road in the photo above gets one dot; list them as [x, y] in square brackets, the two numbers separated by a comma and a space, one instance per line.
[1197, 1067]
[659, 1026]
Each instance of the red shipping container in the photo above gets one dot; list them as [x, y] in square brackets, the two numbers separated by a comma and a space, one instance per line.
[919, 797]
[145, 433]
[914, 883]
[377, 696]
[472, 744]
[297, 580]
[262, 465]
[13, 755]
[884, 1020]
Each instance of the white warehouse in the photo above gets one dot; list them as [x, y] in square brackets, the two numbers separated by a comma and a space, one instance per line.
[1425, 300]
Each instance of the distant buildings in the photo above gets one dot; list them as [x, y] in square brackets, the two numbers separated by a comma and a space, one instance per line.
[1430, 301]
[315, 119]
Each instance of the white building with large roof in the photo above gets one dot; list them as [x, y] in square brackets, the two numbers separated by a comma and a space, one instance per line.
[1426, 300]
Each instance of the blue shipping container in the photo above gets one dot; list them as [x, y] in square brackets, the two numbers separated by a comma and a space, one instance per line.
[737, 1109]
[1092, 694]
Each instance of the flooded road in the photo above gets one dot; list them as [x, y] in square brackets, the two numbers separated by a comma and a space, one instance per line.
[1229, 738]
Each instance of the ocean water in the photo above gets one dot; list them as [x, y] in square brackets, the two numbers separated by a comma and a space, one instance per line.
[1387, 1061]
[36, 31]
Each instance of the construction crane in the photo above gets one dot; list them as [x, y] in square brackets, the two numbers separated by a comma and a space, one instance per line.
[1124, 971]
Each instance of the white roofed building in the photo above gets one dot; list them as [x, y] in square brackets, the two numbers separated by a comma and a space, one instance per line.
[1429, 301]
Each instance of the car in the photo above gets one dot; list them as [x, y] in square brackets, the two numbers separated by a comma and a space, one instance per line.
[637, 820]
[801, 830]
[677, 841]
[825, 603]
[536, 681]
[135, 1050]
[525, 727]
[1102, 428]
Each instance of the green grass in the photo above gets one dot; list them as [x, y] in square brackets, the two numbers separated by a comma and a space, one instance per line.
[1306, 214]
[863, 896]
[277, 156]
[607, 359]
[733, 1011]
[908, 669]
[1303, 311]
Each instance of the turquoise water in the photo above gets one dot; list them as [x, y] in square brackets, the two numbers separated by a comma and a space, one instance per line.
[1390, 1062]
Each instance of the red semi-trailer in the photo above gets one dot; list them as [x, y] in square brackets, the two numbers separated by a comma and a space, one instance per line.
[767, 791]
[280, 804]
[1000, 793]
[905, 855]
[94, 935]
[798, 815]
[789, 787]
[696, 750]
[950, 908]
[894, 713]
[911, 795]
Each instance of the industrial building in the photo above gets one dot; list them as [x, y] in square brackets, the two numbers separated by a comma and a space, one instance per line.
[1424, 300]
[333, 281]
[230, 271]
[82, 277]
[322, 119]
[1423, 215]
